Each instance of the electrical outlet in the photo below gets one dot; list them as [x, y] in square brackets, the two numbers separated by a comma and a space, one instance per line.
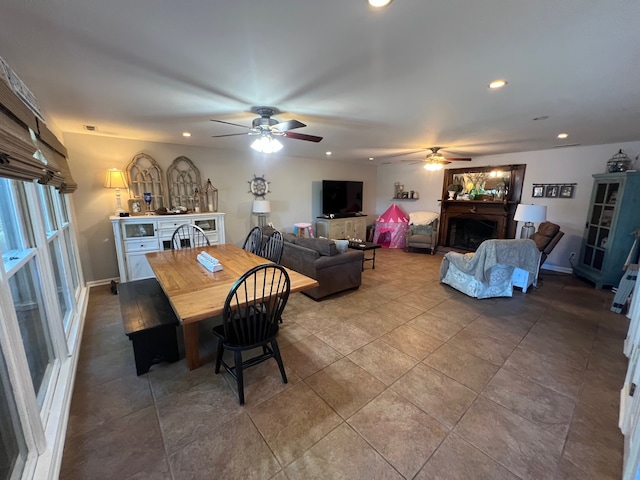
[572, 255]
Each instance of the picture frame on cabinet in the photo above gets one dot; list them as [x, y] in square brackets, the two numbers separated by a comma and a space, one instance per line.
[566, 191]
[551, 191]
[135, 207]
[538, 191]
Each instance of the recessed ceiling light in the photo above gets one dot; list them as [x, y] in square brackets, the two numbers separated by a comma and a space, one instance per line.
[497, 84]
[379, 3]
[563, 135]
[328, 154]
[186, 134]
[370, 158]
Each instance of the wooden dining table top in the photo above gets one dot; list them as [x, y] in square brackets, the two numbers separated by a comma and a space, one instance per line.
[196, 293]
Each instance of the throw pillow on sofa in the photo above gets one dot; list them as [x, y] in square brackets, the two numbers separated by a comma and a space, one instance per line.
[321, 245]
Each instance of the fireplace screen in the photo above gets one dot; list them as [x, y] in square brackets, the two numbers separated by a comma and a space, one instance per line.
[469, 233]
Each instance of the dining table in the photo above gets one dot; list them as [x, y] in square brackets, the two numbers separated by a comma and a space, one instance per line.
[196, 294]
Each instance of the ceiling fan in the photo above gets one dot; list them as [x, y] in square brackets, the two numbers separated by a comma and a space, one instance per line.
[436, 160]
[267, 128]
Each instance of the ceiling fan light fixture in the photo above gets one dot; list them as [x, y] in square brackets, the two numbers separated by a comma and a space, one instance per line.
[266, 144]
[379, 3]
[497, 84]
[433, 166]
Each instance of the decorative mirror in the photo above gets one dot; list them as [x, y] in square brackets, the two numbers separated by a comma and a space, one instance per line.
[145, 176]
[183, 179]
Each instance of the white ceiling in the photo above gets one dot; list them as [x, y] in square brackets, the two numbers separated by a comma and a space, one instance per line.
[373, 83]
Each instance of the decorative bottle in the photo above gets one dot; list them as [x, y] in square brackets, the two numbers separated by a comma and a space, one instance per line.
[196, 201]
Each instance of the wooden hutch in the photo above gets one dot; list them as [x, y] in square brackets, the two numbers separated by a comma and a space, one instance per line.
[483, 209]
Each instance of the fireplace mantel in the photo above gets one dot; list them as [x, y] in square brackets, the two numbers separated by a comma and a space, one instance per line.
[494, 217]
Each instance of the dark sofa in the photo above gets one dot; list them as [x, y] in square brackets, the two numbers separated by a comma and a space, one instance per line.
[319, 258]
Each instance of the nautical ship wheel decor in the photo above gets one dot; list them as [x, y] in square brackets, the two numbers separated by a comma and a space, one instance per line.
[258, 186]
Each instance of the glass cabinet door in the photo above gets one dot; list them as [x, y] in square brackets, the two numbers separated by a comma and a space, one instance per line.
[599, 224]
[138, 230]
[207, 224]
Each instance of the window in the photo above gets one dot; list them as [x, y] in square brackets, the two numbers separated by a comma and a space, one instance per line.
[13, 449]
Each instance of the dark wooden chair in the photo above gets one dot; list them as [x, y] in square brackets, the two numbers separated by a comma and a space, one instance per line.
[188, 236]
[253, 242]
[272, 250]
[250, 320]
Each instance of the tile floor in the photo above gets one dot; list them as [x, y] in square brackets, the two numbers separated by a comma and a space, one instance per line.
[403, 378]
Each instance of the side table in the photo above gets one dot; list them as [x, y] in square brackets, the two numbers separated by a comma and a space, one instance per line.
[366, 246]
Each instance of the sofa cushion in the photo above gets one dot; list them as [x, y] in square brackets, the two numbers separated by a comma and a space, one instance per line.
[421, 229]
[321, 245]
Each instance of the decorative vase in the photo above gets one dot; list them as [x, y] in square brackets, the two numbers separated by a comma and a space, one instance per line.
[452, 194]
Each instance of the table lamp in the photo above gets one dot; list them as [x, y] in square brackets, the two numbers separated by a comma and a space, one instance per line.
[530, 214]
[115, 179]
[261, 208]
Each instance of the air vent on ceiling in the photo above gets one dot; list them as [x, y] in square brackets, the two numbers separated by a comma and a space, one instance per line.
[91, 128]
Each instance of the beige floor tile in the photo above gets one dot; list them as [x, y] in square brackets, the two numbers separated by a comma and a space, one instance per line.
[293, 421]
[100, 404]
[375, 323]
[456, 459]
[544, 407]
[342, 454]
[345, 337]
[308, 356]
[597, 459]
[510, 330]
[545, 371]
[223, 453]
[436, 394]
[483, 346]
[399, 431]
[99, 453]
[383, 361]
[469, 370]
[290, 332]
[438, 327]
[412, 341]
[209, 405]
[345, 386]
[402, 301]
[419, 300]
[524, 448]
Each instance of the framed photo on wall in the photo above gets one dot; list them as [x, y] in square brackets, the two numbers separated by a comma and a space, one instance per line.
[566, 191]
[551, 191]
[135, 207]
[538, 191]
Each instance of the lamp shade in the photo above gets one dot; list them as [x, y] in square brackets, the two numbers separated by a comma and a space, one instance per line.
[261, 206]
[530, 213]
[115, 179]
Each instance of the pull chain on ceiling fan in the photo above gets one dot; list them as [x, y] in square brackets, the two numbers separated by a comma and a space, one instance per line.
[267, 129]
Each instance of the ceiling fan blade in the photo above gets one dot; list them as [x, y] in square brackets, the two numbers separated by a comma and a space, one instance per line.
[302, 136]
[228, 135]
[288, 125]
[229, 123]
[458, 159]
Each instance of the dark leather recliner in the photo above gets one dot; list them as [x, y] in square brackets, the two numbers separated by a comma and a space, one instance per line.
[546, 238]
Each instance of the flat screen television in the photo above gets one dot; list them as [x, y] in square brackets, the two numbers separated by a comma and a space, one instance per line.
[341, 198]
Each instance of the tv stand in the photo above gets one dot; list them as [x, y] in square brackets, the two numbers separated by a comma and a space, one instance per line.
[342, 228]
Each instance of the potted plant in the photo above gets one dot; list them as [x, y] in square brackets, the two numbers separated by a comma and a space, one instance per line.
[454, 189]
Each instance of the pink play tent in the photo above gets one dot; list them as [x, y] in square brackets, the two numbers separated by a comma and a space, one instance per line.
[391, 228]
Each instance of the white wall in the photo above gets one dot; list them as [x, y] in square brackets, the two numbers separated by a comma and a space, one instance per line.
[562, 165]
[294, 191]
